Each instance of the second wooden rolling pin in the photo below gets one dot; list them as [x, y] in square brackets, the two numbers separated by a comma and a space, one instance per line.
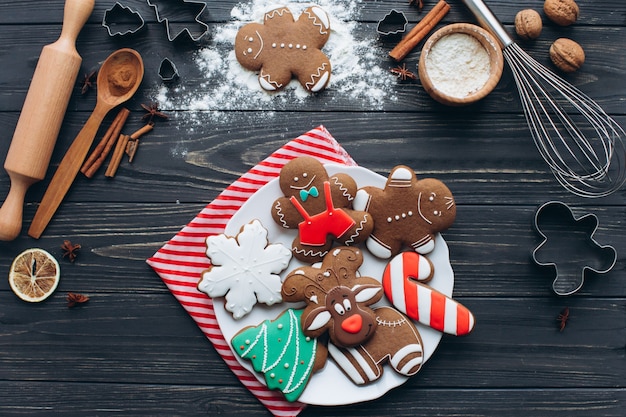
[42, 114]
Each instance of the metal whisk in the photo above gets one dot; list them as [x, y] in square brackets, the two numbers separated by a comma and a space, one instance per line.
[582, 145]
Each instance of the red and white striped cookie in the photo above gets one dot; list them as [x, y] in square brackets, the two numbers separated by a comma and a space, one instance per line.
[403, 284]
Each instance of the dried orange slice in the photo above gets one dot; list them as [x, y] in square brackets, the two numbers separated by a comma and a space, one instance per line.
[34, 275]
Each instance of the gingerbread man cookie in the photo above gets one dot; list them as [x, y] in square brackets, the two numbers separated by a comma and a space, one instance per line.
[319, 207]
[282, 47]
[407, 211]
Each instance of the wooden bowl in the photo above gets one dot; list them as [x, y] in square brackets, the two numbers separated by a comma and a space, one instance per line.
[455, 83]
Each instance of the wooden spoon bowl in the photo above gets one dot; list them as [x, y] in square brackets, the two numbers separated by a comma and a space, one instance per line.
[120, 76]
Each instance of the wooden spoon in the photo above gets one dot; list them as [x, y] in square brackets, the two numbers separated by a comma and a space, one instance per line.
[118, 79]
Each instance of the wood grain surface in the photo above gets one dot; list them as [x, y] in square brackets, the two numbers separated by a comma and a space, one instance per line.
[133, 351]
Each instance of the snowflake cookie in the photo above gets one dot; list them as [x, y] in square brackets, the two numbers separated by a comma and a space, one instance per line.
[245, 269]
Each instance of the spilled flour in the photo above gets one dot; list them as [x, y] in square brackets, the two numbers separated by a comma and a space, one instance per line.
[357, 74]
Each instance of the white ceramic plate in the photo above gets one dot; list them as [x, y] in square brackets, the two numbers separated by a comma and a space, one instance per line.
[329, 386]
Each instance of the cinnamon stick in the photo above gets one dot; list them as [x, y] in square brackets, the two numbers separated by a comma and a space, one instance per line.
[419, 32]
[133, 142]
[118, 153]
[122, 145]
[101, 151]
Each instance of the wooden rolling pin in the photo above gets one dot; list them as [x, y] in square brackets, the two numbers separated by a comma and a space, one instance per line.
[42, 114]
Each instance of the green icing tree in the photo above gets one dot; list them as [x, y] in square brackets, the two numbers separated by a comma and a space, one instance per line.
[280, 351]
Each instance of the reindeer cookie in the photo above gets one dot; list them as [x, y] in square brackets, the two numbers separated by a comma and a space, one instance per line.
[318, 206]
[282, 47]
[407, 211]
[338, 302]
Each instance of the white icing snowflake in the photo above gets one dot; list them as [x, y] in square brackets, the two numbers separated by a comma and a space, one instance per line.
[245, 269]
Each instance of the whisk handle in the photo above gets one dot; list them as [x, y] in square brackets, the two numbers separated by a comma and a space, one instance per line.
[489, 21]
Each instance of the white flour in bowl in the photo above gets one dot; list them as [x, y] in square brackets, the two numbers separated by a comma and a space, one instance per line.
[458, 65]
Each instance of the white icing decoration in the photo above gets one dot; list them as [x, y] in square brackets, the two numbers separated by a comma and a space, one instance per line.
[320, 320]
[305, 186]
[402, 174]
[312, 85]
[267, 84]
[419, 209]
[230, 274]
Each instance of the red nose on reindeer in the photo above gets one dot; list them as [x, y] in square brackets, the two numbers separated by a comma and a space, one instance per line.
[352, 324]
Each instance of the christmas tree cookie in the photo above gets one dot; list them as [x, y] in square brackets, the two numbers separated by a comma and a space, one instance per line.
[281, 352]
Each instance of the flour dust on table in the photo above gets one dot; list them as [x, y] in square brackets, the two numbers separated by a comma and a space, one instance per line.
[356, 68]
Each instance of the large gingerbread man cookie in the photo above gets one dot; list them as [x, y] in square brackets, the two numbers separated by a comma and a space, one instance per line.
[407, 212]
[319, 206]
[282, 47]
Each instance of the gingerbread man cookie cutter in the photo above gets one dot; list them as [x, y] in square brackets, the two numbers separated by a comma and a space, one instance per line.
[569, 247]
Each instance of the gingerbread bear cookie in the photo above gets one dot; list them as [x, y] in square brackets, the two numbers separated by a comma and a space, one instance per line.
[338, 303]
[282, 47]
[407, 211]
[319, 206]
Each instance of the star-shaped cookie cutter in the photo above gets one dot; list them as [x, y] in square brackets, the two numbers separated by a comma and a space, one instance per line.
[556, 223]
[172, 33]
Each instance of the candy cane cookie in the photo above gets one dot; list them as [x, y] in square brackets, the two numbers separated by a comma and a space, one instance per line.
[403, 283]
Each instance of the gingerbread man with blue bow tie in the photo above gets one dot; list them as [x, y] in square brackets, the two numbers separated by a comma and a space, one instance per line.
[319, 206]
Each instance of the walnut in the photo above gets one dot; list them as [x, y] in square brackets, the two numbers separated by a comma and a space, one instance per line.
[561, 12]
[567, 55]
[528, 24]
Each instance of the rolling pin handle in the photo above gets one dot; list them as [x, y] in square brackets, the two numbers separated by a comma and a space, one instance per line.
[12, 208]
[75, 15]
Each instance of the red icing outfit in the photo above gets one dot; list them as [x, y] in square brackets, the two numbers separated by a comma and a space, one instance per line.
[314, 229]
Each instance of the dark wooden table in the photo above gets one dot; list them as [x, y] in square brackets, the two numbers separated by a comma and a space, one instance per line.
[133, 350]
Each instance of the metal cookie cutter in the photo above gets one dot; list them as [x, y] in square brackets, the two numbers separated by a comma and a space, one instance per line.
[568, 246]
[168, 12]
[167, 70]
[393, 23]
[122, 20]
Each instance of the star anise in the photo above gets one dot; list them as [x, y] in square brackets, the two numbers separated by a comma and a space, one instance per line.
[152, 112]
[403, 73]
[74, 299]
[87, 82]
[418, 3]
[70, 250]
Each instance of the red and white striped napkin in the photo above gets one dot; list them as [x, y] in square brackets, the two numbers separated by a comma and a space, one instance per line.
[181, 261]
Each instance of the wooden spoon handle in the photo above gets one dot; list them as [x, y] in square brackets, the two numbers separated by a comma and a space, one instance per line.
[67, 171]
